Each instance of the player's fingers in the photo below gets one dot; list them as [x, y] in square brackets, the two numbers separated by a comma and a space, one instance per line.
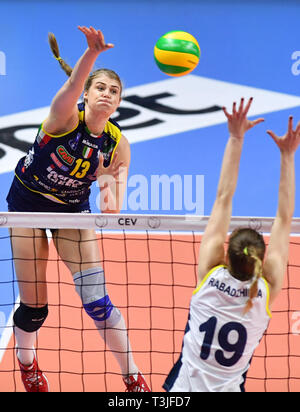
[257, 121]
[101, 161]
[248, 106]
[297, 131]
[100, 36]
[290, 125]
[234, 108]
[83, 29]
[273, 135]
[93, 30]
[118, 166]
[226, 113]
[240, 111]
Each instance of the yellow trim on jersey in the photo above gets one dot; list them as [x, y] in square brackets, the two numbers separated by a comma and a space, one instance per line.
[224, 266]
[206, 277]
[58, 135]
[41, 193]
[80, 119]
[268, 297]
[109, 128]
[113, 131]
[81, 116]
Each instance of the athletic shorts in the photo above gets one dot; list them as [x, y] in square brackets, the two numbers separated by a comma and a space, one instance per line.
[21, 199]
[181, 379]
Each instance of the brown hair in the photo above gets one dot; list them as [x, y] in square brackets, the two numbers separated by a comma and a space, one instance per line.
[68, 70]
[246, 252]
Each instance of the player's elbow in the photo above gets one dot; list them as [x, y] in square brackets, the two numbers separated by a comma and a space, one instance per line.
[224, 197]
[285, 217]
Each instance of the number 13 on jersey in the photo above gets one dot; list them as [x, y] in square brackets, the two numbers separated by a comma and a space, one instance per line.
[81, 168]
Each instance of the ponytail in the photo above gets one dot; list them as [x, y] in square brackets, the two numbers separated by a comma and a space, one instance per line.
[68, 69]
[251, 253]
[55, 50]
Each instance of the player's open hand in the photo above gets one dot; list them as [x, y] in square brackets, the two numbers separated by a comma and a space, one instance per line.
[238, 124]
[290, 141]
[112, 174]
[95, 39]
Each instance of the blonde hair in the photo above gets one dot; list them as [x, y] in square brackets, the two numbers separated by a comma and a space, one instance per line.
[55, 50]
[251, 254]
[68, 69]
[246, 252]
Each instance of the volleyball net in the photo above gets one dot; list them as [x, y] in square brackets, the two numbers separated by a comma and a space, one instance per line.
[150, 265]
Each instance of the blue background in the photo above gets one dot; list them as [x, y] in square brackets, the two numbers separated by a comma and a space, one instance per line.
[249, 43]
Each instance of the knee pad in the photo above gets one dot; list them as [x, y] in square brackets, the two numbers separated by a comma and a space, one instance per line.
[90, 285]
[30, 319]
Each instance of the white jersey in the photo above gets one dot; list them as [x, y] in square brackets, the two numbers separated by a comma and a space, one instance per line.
[219, 340]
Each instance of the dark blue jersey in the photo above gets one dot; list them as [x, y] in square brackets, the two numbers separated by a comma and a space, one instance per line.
[63, 167]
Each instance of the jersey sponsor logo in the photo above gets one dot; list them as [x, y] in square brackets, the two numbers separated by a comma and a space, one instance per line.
[64, 155]
[89, 144]
[73, 143]
[62, 180]
[28, 159]
[59, 163]
[182, 104]
[107, 149]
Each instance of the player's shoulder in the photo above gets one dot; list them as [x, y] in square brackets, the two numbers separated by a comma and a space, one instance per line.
[215, 271]
[113, 129]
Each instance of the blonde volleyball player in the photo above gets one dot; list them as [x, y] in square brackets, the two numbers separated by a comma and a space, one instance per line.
[231, 306]
[75, 145]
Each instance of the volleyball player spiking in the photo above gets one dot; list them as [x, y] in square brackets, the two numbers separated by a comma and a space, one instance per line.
[76, 145]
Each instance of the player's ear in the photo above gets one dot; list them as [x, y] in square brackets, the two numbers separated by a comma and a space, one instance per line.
[85, 95]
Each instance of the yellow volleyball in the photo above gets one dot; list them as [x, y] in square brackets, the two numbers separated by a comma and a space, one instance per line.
[177, 53]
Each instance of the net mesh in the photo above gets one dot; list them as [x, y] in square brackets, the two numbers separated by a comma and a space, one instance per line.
[151, 271]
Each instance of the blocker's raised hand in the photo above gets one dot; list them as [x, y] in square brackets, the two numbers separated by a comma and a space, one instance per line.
[238, 124]
[290, 141]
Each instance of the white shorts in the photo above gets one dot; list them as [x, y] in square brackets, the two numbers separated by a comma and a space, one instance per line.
[183, 379]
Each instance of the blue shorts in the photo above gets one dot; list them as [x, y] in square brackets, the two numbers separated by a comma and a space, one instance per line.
[21, 199]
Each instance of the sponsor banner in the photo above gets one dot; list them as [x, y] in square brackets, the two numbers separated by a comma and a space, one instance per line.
[181, 104]
[152, 111]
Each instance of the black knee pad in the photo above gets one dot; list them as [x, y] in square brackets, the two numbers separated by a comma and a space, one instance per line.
[30, 319]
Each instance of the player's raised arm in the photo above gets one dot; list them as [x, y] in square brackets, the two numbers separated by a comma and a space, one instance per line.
[63, 112]
[277, 253]
[212, 245]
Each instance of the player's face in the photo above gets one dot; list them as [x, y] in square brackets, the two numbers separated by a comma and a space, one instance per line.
[104, 94]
